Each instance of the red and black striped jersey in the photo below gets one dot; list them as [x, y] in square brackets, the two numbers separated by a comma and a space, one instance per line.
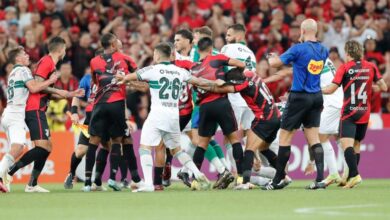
[39, 100]
[211, 68]
[258, 97]
[356, 77]
[104, 68]
[185, 100]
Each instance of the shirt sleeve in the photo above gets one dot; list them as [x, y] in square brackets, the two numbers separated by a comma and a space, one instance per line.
[132, 66]
[338, 78]
[145, 74]
[44, 69]
[240, 87]
[186, 75]
[290, 55]
[26, 75]
[220, 60]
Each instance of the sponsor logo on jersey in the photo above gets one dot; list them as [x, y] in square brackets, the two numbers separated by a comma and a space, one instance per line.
[315, 67]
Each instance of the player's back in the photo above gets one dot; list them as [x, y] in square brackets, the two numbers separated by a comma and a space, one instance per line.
[357, 78]
[104, 67]
[165, 81]
[327, 75]
[17, 92]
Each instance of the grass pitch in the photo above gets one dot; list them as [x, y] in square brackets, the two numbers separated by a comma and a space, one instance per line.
[371, 200]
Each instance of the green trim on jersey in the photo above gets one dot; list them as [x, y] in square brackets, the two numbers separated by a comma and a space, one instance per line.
[154, 85]
[165, 63]
[138, 76]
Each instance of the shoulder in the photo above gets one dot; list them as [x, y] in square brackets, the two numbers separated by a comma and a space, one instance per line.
[147, 68]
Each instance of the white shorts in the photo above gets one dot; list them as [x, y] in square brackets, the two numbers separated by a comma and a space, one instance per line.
[244, 116]
[330, 120]
[188, 127]
[15, 127]
[152, 136]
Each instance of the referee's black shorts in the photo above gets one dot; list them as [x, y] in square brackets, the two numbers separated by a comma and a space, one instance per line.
[214, 113]
[108, 119]
[302, 109]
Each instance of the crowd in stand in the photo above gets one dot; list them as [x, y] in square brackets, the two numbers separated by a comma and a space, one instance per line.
[272, 26]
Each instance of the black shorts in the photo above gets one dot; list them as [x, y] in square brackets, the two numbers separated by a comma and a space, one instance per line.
[218, 112]
[83, 140]
[266, 129]
[184, 120]
[302, 108]
[36, 122]
[349, 129]
[108, 119]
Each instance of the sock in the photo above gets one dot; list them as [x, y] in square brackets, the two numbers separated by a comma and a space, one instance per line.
[271, 157]
[147, 165]
[115, 157]
[283, 157]
[259, 181]
[128, 152]
[330, 157]
[350, 158]
[74, 162]
[191, 150]
[5, 163]
[168, 160]
[26, 159]
[101, 161]
[220, 154]
[158, 172]
[123, 167]
[357, 158]
[311, 154]
[39, 164]
[229, 150]
[267, 172]
[247, 165]
[186, 161]
[319, 159]
[212, 157]
[199, 157]
[238, 155]
[89, 162]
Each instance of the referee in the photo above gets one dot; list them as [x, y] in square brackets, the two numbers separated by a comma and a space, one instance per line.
[304, 103]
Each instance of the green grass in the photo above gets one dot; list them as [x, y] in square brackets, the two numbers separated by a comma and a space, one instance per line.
[371, 200]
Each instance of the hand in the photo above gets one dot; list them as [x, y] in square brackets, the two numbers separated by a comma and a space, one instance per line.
[54, 77]
[77, 93]
[219, 82]
[309, 169]
[120, 79]
[75, 118]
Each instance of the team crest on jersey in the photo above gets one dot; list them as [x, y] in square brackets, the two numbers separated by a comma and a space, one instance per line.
[315, 67]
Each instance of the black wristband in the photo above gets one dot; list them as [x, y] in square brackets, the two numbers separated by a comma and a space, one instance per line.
[73, 109]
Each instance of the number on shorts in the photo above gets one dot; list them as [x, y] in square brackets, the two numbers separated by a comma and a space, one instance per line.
[362, 94]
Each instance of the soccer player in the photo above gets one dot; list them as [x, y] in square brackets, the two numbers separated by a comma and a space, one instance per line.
[264, 127]
[36, 117]
[330, 118]
[20, 83]
[356, 76]
[165, 81]
[215, 108]
[304, 103]
[108, 114]
[237, 49]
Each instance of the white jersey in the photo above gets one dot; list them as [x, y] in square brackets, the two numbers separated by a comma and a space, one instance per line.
[165, 82]
[17, 92]
[327, 75]
[182, 57]
[240, 52]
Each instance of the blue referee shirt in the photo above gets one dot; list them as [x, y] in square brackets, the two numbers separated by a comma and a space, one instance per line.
[85, 83]
[308, 60]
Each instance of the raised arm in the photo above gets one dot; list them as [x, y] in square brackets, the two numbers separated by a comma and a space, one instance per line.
[237, 63]
[274, 61]
[279, 75]
[35, 86]
[59, 92]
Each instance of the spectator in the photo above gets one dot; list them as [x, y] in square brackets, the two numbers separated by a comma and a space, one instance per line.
[6, 44]
[56, 114]
[81, 55]
[336, 35]
[49, 13]
[13, 31]
[24, 16]
[362, 30]
[94, 31]
[191, 16]
[273, 45]
[66, 80]
[371, 54]
[218, 22]
[37, 28]
[32, 47]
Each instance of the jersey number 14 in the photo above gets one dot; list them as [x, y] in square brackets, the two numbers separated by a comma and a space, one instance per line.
[362, 94]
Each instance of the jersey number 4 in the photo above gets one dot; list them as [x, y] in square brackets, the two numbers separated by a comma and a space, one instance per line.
[362, 94]
[166, 84]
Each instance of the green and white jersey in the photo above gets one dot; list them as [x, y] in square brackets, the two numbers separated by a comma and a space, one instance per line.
[194, 54]
[17, 92]
[239, 51]
[165, 82]
[182, 57]
[327, 75]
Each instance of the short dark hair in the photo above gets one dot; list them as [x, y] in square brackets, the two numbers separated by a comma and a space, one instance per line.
[235, 76]
[12, 54]
[55, 43]
[338, 18]
[204, 30]
[106, 40]
[185, 33]
[99, 51]
[354, 49]
[164, 49]
[205, 43]
[237, 27]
